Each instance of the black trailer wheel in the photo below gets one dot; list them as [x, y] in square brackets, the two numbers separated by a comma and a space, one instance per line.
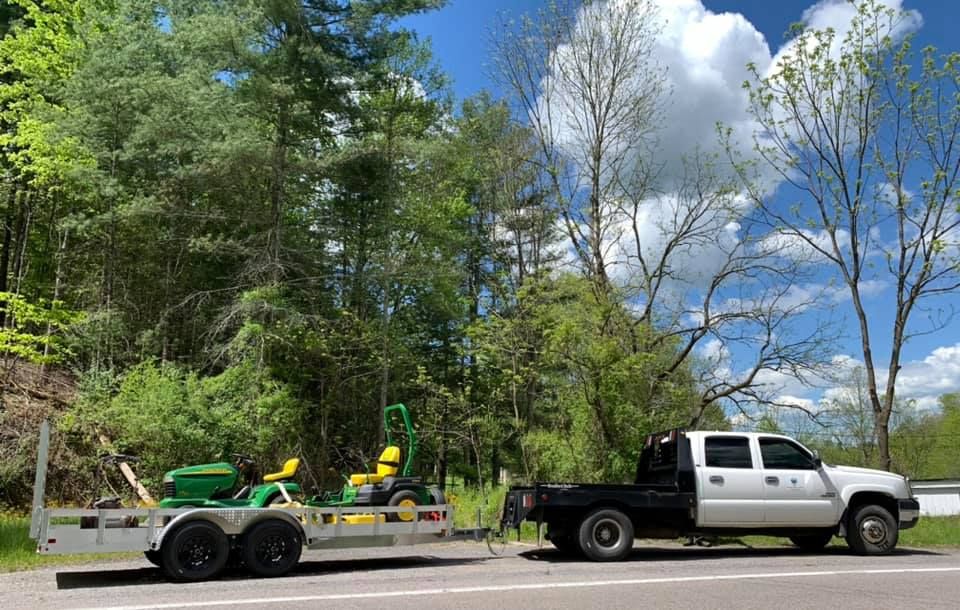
[196, 550]
[872, 530]
[812, 542]
[271, 548]
[404, 498]
[606, 535]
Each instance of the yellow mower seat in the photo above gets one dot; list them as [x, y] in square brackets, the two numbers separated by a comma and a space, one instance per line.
[387, 466]
[289, 469]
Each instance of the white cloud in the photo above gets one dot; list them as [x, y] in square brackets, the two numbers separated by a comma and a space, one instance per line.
[805, 404]
[705, 57]
[920, 381]
[938, 373]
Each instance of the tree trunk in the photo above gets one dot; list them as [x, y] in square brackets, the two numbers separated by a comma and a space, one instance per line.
[21, 239]
[5, 252]
[442, 462]
[57, 284]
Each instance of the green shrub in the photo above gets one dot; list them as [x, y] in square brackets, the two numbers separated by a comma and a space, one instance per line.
[171, 417]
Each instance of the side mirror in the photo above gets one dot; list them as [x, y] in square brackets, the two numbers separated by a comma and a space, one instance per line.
[817, 462]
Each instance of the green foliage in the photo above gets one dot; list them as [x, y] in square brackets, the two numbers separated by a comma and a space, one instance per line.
[173, 418]
[275, 223]
[598, 389]
[33, 332]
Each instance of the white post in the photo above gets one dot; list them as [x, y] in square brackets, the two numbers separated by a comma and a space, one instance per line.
[40, 482]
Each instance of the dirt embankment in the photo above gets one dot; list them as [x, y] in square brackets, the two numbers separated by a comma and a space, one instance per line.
[28, 395]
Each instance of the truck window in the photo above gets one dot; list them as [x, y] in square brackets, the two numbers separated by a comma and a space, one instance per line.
[728, 452]
[782, 454]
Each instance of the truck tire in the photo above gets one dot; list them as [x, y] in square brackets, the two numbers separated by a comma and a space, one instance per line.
[872, 530]
[154, 557]
[812, 542]
[197, 550]
[404, 497]
[271, 548]
[606, 535]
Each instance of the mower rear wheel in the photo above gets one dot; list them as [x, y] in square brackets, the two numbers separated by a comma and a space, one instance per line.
[406, 498]
[154, 557]
[271, 548]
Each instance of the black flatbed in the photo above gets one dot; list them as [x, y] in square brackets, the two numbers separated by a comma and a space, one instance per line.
[663, 496]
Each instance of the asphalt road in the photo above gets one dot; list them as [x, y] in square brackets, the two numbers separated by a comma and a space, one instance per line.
[465, 575]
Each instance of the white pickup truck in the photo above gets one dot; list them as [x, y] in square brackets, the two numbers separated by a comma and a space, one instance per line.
[721, 483]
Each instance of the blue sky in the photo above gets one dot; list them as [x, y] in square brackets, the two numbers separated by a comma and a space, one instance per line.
[460, 31]
[460, 34]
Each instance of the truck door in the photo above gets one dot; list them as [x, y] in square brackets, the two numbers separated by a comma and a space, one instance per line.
[731, 492]
[795, 491]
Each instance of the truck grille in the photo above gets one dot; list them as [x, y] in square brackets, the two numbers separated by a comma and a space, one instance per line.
[170, 489]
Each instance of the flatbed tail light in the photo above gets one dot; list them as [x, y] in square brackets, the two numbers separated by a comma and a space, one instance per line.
[51, 540]
[528, 500]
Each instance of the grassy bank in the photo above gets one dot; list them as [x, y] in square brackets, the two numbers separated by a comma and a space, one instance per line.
[933, 532]
[18, 551]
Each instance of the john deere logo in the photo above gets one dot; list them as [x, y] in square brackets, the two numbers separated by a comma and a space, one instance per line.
[793, 480]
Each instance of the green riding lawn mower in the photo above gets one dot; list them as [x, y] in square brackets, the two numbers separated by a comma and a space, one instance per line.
[221, 485]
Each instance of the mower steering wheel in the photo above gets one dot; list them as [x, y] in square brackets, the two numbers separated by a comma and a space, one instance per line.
[241, 459]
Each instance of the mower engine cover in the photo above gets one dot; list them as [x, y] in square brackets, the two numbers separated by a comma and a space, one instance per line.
[204, 481]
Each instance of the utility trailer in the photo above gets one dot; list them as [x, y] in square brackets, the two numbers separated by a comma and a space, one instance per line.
[193, 544]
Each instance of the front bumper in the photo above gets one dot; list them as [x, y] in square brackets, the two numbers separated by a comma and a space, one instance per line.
[909, 513]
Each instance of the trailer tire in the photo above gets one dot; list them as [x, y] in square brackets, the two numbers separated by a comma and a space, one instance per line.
[271, 548]
[404, 497]
[197, 550]
[872, 530]
[606, 535]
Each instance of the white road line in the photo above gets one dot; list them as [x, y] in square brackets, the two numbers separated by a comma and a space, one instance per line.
[523, 587]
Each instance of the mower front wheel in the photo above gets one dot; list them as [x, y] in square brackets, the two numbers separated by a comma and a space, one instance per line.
[405, 498]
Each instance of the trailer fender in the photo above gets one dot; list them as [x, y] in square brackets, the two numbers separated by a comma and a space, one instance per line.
[233, 522]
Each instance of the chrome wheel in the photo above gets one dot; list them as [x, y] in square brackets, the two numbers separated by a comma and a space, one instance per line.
[873, 530]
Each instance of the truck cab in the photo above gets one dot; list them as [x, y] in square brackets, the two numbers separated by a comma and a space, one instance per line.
[748, 480]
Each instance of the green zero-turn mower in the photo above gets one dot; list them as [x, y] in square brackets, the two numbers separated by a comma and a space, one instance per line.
[390, 484]
[221, 485]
